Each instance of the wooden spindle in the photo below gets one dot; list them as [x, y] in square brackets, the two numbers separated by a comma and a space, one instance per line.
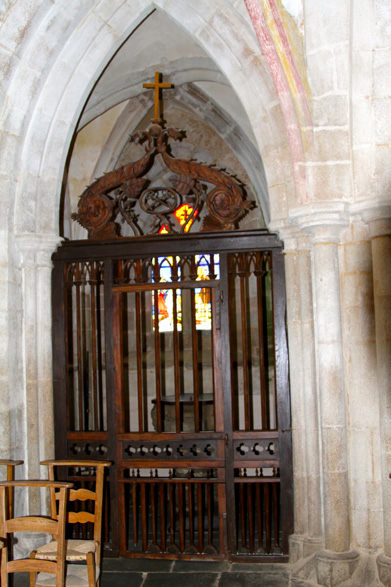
[159, 425]
[200, 517]
[181, 517]
[250, 514]
[162, 517]
[268, 541]
[139, 364]
[134, 505]
[144, 518]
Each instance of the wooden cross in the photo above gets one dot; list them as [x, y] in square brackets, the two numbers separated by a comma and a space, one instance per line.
[157, 86]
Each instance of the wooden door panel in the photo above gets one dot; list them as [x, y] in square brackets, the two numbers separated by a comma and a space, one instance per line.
[193, 409]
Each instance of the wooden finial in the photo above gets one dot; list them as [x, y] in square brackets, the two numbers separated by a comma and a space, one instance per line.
[157, 86]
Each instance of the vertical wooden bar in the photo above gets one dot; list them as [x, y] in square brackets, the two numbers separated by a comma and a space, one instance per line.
[79, 348]
[259, 505]
[176, 362]
[242, 511]
[194, 343]
[266, 494]
[181, 518]
[250, 514]
[172, 512]
[61, 387]
[144, 518]
[200, 517]
[93, 286]
[101, 336]
[115, 424]
[162, 517]
[276, 508]
[283, 399]
[191, 513]
[140, 406]
[153, 513]
[261, 339]
[159, 424]
[225, 368]
[243, 319]
[134, 513]
[209, 493]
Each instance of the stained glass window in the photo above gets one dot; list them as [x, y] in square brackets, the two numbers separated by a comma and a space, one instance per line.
[169, 300]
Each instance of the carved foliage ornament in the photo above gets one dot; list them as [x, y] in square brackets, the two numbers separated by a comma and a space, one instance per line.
[115, 195]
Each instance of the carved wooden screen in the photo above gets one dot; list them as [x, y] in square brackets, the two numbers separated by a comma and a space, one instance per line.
[170, 360]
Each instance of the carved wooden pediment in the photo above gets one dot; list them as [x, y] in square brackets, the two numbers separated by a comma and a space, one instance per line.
[126, 193]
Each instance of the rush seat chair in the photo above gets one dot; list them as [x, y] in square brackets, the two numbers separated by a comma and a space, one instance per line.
[89, 549]
[11, 465]
[42, 573]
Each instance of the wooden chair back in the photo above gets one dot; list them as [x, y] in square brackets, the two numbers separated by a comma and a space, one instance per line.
[49, 525]
[82, 516]
[10, 464]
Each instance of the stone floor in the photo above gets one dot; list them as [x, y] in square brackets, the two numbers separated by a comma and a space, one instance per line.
[154, 573]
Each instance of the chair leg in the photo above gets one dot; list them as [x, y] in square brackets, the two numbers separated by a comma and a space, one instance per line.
[32, 575]
[91, 569]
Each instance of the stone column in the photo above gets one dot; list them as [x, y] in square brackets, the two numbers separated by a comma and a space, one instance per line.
[32, 410]
[305, 429]
[324, 222]
[336, 563]
[380, 231]
[31, 399]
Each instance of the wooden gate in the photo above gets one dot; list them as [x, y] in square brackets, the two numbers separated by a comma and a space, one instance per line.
[170, 360]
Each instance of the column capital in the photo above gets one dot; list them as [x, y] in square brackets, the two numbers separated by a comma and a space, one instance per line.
[36, 249]
[377, 214]
[324, 221]
[293, 238]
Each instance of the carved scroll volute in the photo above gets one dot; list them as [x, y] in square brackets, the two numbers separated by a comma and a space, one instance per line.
[95, 213]
[225, 206]
[225, 203]
[96, 210]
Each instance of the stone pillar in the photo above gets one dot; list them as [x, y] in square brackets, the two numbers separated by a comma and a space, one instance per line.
[336, 563]
[31, 412]
[380, 229]
[324, 222]
[305, 429]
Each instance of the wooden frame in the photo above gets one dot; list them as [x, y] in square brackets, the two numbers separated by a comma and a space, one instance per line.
[231, 481]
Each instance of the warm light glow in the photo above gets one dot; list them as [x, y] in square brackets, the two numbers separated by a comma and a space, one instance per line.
[182, 214]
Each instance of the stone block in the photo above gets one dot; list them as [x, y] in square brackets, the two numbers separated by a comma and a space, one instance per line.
[333, 568]
[331, 144]
[382, 184]
[382, 110]
[342, 67]
[334, 455]
[329, 181]
[363, 25]
[330, 110]
[326, 23]
[357, 289]
[362, 75]
[358, 257]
